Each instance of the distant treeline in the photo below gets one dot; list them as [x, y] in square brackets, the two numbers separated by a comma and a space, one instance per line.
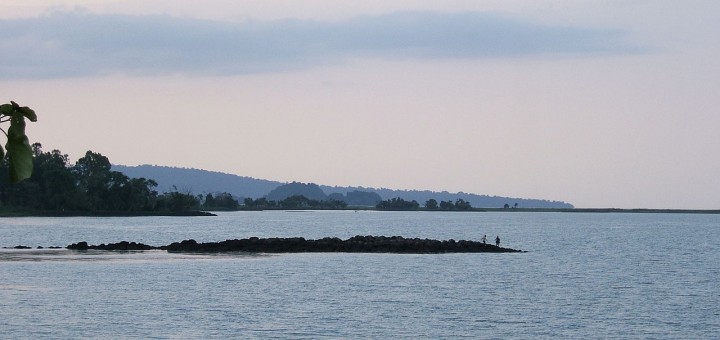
[294, 202]
[91, 186]
[204, 181]
[431, 204]
[222, 201]
[86, 186]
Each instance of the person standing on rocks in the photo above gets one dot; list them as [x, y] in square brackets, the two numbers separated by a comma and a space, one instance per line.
[484, 239]
[497, 240]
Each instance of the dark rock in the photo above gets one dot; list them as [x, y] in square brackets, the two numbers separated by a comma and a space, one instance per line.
[356, 244]
[78, 246]
[123, 245]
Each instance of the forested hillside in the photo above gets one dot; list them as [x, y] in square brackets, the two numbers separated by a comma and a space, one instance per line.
[200, 181]
[203, 181]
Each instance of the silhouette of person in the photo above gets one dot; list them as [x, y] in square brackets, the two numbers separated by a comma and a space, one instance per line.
[497, 241]
[484, 239]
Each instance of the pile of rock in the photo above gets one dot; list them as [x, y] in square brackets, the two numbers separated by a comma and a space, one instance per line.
[356, 244]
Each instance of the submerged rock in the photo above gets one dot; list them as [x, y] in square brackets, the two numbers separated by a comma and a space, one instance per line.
[22, 247]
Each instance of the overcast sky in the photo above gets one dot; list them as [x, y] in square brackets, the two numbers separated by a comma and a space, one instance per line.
[596, 103]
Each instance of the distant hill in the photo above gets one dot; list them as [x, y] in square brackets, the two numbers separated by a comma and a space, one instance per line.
[200, 181]
[203, 182]
[311, 191]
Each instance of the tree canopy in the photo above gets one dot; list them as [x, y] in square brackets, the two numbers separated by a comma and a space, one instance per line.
[89, 185]
[398, 204]
[222, 201]
[293, 202]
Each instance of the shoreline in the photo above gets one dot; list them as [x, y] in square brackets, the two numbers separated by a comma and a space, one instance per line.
[20, 213]
[605, 210]
[103, 213]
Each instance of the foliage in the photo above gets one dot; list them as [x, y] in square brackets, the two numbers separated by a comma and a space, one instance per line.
[223, 201]
[17, 149]
[259, 204]
[177, 202]
[88, 185]
[459, 205]
[398, 204]
[293, 202]
[431, 204]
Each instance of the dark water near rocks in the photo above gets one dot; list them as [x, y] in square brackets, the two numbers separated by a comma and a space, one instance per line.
[584, 276]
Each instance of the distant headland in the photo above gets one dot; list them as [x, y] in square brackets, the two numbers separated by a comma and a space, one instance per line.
[241, 187]
[92, 186]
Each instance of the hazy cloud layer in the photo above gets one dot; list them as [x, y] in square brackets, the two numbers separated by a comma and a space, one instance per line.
[72, 44]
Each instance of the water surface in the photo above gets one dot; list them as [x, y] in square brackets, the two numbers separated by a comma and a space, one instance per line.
[584, 276]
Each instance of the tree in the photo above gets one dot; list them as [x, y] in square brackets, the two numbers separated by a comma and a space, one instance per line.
[18, 150]
[93, 165]
[177, 202]
[431, 204]
[209, 201]
[461, 204]
[96, 181]
[446, 205]
[56, 184]
[223, 201]
[397, 204]
[140, 194]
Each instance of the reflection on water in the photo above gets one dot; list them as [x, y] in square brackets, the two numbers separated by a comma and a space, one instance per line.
[22, 288]
[66, 255]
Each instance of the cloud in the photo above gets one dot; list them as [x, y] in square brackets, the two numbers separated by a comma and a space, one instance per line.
[75, 44]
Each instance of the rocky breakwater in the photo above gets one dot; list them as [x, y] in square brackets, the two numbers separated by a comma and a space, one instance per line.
[123, 245]
[357, 244]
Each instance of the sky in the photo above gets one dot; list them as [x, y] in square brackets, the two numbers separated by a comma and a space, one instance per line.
[601, 104]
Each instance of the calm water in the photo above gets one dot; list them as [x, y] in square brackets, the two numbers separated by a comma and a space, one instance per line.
[584, 276]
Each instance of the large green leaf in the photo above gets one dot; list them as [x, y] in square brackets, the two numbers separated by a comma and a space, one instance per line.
[6, 110]
[28, 113]
[13, 107]
[19, 152]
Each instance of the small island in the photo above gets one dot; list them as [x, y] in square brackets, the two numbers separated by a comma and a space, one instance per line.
[356, 244]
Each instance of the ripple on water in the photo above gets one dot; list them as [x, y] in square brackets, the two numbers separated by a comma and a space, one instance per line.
[586, 276]
[65, 255]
